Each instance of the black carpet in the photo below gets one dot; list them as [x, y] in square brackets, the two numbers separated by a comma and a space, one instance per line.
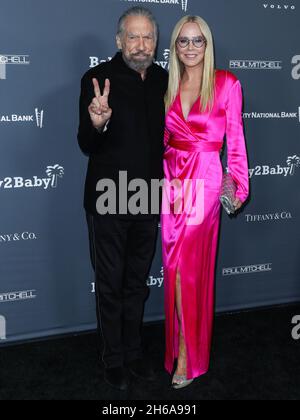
[254, 358]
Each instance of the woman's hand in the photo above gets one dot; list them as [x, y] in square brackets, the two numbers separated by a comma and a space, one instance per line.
[237, 204]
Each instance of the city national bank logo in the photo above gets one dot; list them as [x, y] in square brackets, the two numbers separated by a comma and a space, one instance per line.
[272, 115]
[182, 3]
[16, 296]
[247, 269]
[281, 7]
[2, 328]
[156, 281]
[8, 59]
[53, 174]
[293, 162]
[37, 118]
[255, 65]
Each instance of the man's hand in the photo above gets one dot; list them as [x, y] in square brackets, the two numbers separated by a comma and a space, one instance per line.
[99, 110]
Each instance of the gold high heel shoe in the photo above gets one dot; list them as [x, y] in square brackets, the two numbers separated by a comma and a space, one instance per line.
[180, 381]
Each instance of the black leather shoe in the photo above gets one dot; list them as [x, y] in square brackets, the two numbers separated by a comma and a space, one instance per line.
[142, 369]
[116, 377]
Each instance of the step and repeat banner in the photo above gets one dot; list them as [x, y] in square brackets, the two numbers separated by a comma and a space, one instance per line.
[46, 280]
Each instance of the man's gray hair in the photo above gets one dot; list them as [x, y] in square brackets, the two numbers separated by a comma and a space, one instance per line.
[137, 11]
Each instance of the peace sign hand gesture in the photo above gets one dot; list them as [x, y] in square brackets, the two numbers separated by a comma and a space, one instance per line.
[99, 110]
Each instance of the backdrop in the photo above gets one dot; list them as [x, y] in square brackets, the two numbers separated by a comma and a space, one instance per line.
[46, 282]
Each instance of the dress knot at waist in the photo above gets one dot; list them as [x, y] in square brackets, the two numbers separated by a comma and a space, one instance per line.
[196, 146]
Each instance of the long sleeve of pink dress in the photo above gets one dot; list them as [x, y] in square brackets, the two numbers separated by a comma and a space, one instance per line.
[193, 153]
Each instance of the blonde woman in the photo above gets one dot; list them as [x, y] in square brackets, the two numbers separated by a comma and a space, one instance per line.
[203, 104]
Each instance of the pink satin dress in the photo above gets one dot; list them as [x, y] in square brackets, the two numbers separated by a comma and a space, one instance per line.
[193, 152]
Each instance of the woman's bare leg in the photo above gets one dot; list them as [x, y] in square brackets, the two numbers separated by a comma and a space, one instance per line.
[181, 366]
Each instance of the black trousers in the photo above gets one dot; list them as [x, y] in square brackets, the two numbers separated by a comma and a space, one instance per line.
[121, 253]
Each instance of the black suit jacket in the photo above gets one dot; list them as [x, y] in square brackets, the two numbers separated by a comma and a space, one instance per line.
[133, 141]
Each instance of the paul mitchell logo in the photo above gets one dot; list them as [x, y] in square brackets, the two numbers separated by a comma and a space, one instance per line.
[248, 269]
[16, 296]
[53, 174]
[38, 118]
[2, 328]
[6, 59]
[293, 162]
[255, 65]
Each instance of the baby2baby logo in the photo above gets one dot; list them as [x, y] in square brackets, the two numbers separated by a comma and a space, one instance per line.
[51, 181]
[292, 163]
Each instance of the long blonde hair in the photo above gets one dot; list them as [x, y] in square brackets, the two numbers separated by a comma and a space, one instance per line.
[177, 68]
